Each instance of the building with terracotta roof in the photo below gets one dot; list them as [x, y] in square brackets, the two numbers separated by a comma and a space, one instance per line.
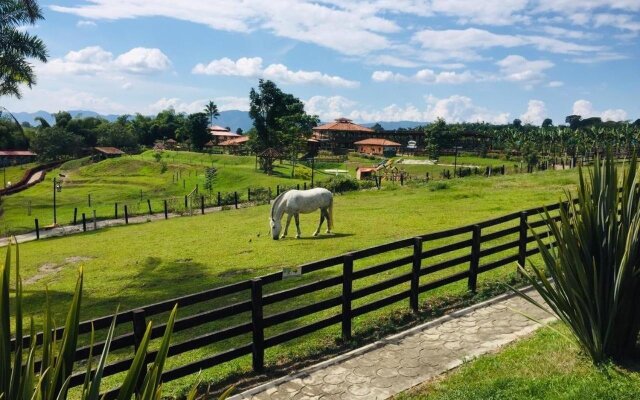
[339, 136]
[106, 152]
[235, 145]
[13, 157]
[377, 146]
[220, 134]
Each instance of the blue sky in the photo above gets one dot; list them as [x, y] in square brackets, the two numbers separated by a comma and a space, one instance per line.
[391, 60]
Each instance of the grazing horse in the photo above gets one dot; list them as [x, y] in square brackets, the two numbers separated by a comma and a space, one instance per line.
[294, 202]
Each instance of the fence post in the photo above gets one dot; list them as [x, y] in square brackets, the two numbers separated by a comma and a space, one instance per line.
[75, 215]
[37, 229]
[84, 223]
[298, 186]
[347, 286]
[305, 185]
[202, 204]
[257, 325]
[219, 200]
[139, 327]
[248, 194]
[415, 273]
[475, 258]
[89, 199]
[277, 190]
[235, 199]
[126, 214]
[522, 241]
[95, 221]
[166, 210]
[186, 202]
[149, 206]
[116, 210]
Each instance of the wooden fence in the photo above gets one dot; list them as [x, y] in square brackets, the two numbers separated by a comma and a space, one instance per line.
[468, 252]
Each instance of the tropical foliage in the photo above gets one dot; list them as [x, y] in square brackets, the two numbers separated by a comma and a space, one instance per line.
[591, 278]
[18, 46]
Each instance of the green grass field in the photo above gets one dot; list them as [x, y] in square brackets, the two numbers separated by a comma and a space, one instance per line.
[545, 366]
[14, 173]
[131, 180]
[139, 264]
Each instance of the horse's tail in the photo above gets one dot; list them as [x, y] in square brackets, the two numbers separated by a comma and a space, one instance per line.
[330, 222]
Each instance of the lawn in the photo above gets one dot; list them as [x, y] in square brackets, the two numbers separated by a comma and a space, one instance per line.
[14, 173]
[545, 366]
[131, 180]
[139, 264]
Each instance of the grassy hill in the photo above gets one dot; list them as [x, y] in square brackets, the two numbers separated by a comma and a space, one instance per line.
[131, 180]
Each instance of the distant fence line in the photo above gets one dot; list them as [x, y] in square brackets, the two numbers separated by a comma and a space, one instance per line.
[468, 252]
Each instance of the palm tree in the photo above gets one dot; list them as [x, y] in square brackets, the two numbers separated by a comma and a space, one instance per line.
[16, 46]
[212, 110]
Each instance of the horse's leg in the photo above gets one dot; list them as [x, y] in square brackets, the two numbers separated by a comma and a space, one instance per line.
[297, 217]
[319, 225]
[286, 227]
[325, 212]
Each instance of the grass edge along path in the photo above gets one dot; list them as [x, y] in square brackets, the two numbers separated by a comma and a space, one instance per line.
[544, 366]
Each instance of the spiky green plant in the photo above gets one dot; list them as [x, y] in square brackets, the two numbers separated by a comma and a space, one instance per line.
[591, 278]
[19, 379]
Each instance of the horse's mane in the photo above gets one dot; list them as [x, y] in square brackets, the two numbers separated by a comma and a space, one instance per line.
[277, 202]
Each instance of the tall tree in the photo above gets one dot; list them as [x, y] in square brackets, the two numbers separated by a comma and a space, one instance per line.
[547, 123]
[18, 46]
[196, 129]
[212, 110]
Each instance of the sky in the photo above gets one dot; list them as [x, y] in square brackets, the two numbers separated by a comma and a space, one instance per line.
[370, 60]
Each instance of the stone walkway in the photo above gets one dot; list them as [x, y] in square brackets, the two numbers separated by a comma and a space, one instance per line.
[397, 363]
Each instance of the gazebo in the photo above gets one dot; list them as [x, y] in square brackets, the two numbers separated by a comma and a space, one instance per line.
[340, 135]
[170, 144]
[266, 159]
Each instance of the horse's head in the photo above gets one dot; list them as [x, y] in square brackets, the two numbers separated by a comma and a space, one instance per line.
[275, 228]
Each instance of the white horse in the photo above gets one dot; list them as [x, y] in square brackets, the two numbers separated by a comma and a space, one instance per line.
[294, 202]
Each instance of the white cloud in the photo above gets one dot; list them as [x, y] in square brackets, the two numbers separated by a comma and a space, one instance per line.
[536, 112]
[177, 104]
[462, 44]
[515, 68]
[252, 67]
[568, 33]
[426, 76]
[67, 99]
[585, 109]
[94, 59]
[454, 108]
[232, 103]
[141, 60]
[85, 23]
[555, 84]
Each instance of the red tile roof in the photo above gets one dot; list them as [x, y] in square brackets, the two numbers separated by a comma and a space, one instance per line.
[16, 153]
[109, 150]
[216, 128]
[235, 141]
[341, 125]
[378, 142]
[366, 169]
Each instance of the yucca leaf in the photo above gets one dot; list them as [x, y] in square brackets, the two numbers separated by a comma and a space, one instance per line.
[137, 367]
[5, 330]
[94, 390]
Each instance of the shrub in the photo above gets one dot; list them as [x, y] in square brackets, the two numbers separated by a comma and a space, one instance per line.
[340, 184]
[438, 186]
[595, 266]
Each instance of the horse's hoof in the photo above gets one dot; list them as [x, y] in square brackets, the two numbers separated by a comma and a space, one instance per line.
[329, 232]
[297, 236]
[315, 233]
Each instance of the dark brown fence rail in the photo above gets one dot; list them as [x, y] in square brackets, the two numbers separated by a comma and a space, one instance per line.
[446, 257]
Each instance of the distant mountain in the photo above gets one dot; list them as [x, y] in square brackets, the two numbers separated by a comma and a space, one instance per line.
[233, 119]
[393, 125]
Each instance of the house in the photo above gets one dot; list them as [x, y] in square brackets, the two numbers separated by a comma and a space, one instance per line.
[102, 153]
[170, 144]
[377, 146]
[220, 134]
[14, 157]
[339, 136]
[235, 145]
[365, 173]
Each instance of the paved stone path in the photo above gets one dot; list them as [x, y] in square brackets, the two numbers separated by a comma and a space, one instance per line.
[397, 363]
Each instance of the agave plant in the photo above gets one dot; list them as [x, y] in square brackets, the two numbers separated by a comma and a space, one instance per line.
[19, 379]
[591, 278]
